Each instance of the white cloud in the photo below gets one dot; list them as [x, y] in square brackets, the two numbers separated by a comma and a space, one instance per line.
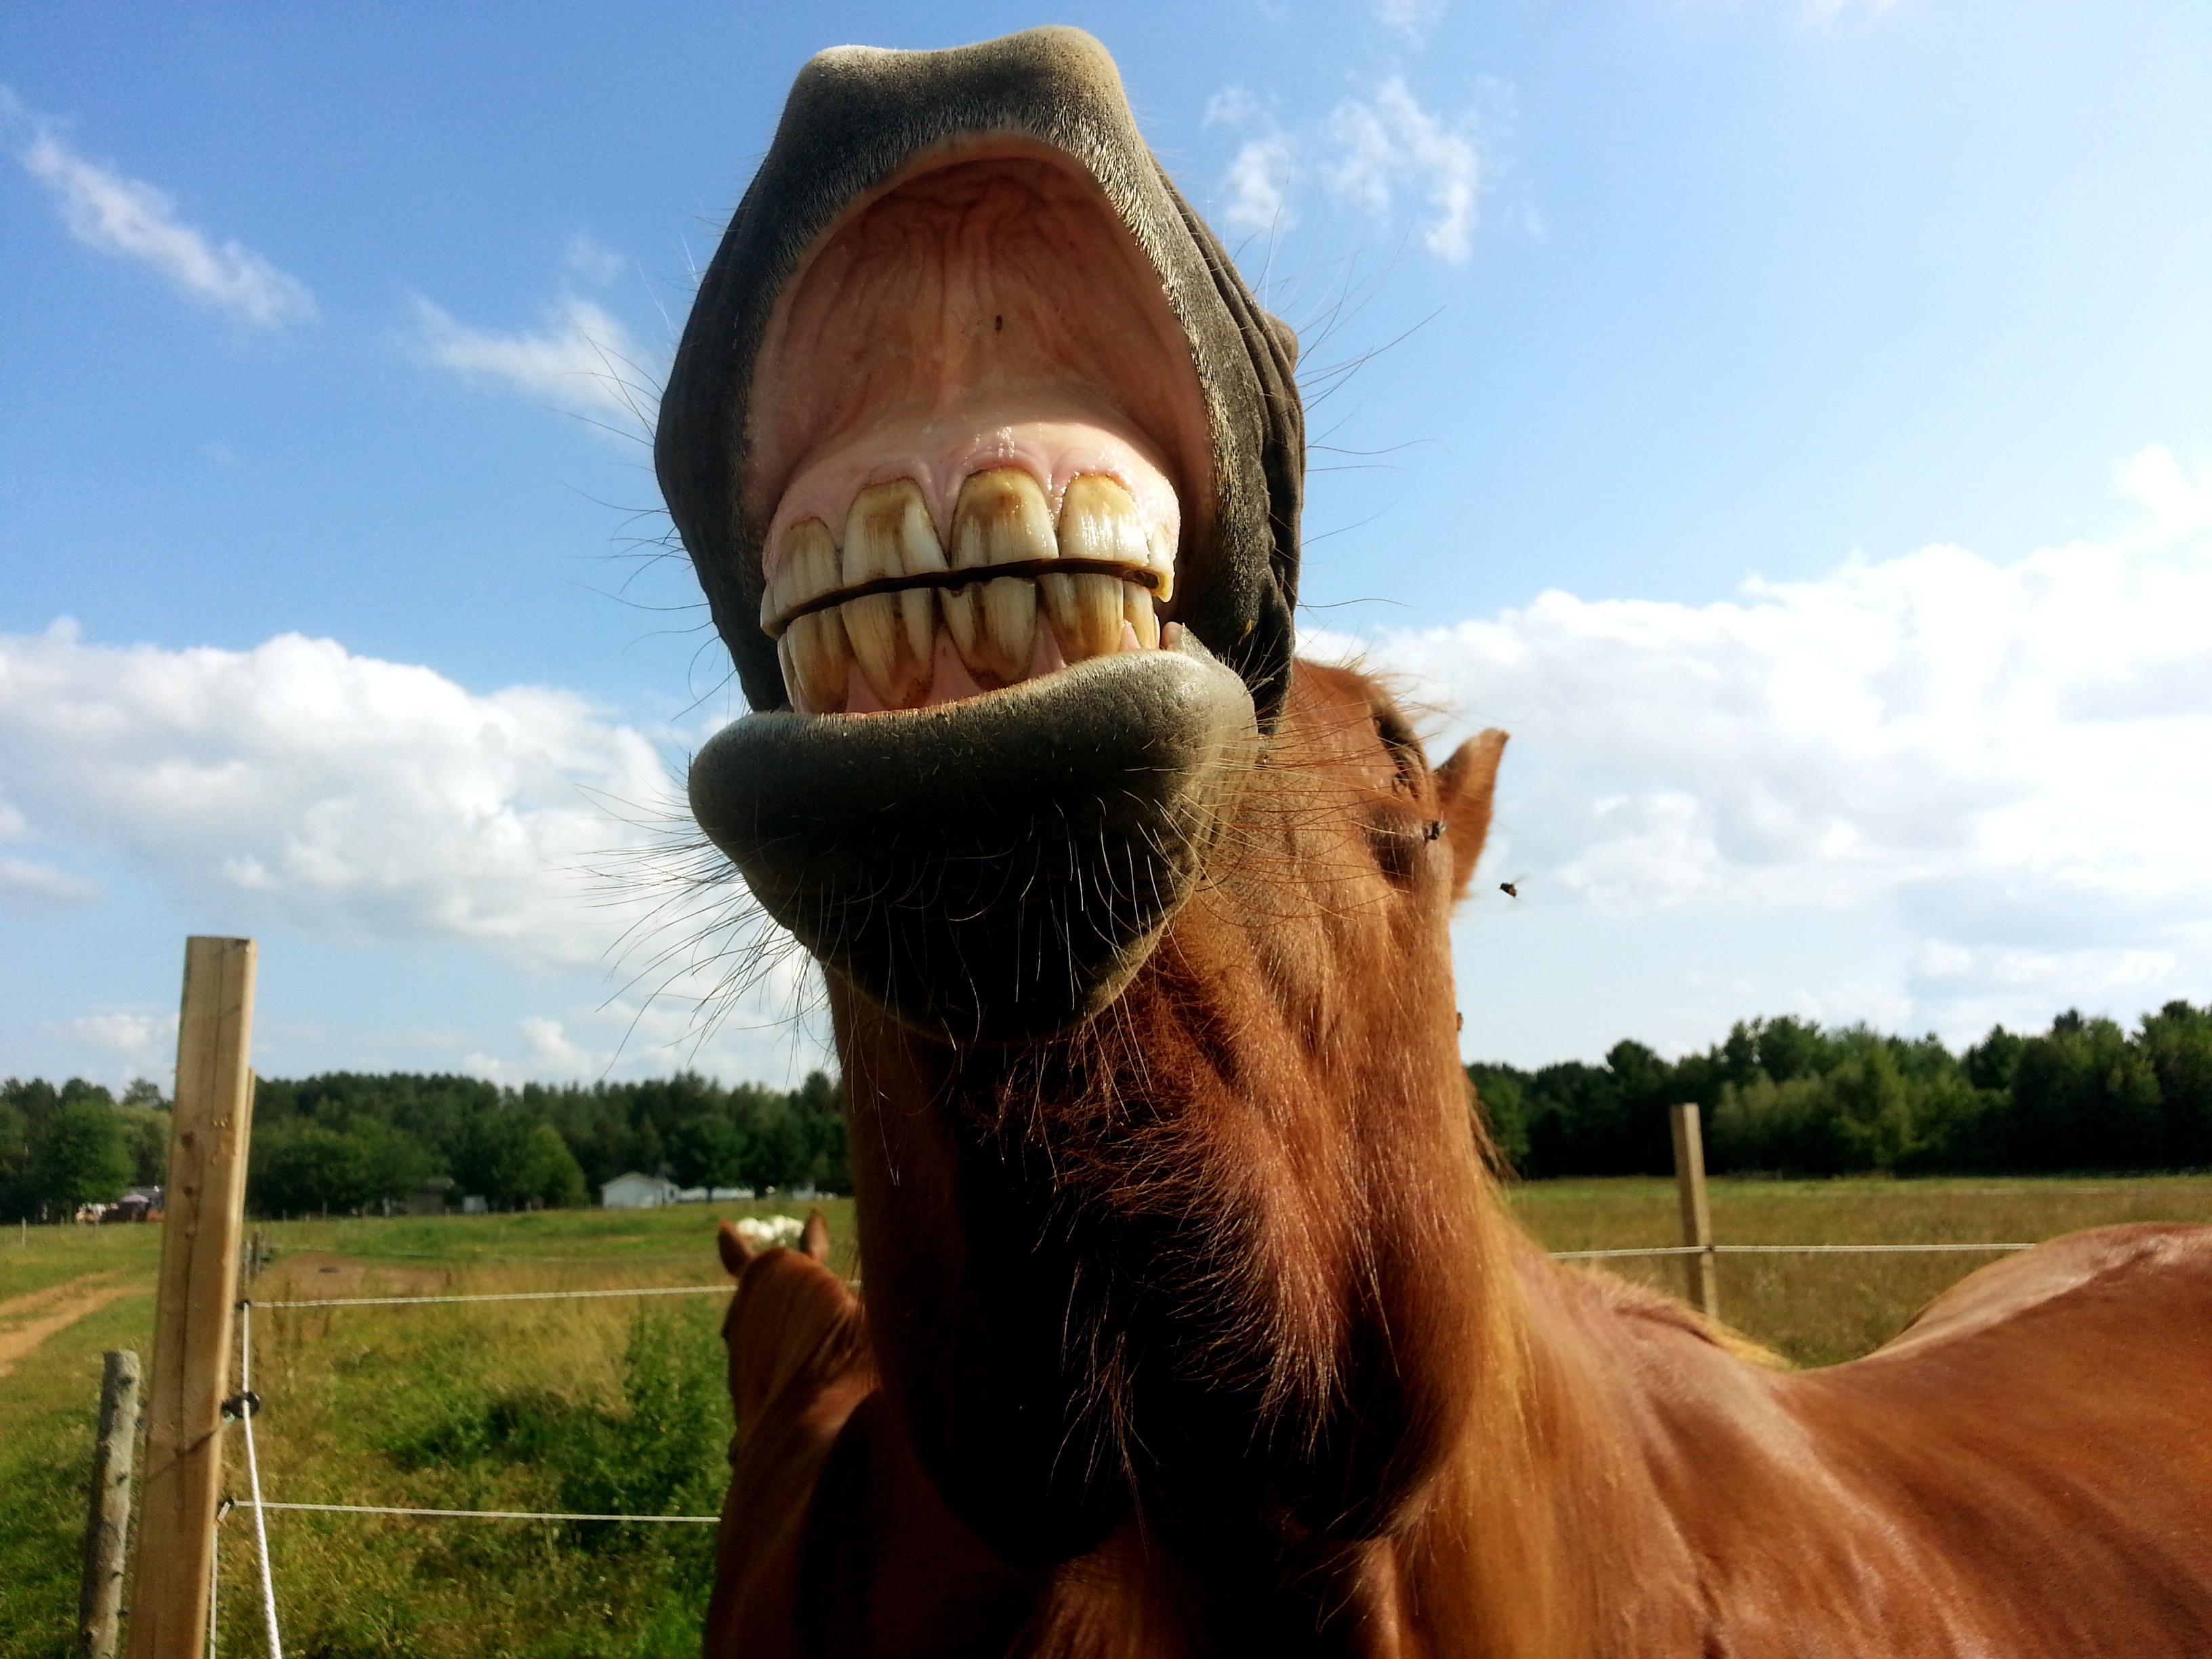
[1413, 19]
[27, 879]
[133, 219]
[2010, 763]
[1370, 153]
[1391, 144]
[1259, 183]
[299, 788]
[590, 260]
[1233, 106]
[352, 798]
[144, 1039]
[585, 361]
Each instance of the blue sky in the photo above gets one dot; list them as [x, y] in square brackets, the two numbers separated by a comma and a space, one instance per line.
[1794, 420]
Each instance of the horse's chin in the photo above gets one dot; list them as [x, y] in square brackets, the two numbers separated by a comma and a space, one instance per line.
[993, 869]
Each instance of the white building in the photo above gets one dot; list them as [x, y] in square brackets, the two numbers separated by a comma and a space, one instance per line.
[632, 1191]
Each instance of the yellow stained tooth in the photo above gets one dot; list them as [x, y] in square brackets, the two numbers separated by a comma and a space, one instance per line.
[888, 533]
[789, 585]
[1137, 611]
[807, 570]
[1006, 631]
[1162, 544]
[1001, 518]
[875, 626]
[1097, 520]
[1085, 612]
[816, 655]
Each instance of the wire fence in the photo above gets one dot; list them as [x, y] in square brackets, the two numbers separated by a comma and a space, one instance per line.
[246, 1405]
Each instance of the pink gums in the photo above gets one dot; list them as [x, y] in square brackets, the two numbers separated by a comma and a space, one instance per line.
[940, 453]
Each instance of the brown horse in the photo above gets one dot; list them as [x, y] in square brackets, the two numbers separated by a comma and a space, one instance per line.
[1192, 1323]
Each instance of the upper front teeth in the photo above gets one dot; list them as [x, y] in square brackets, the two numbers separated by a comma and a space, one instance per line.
[1001, 518]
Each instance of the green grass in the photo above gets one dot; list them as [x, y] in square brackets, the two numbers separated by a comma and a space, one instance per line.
[618, 1404]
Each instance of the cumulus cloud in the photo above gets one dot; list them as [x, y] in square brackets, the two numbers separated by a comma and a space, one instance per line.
[28, 879]
[1259, 184]
[131, 218]
[1388, 145]
[147, 1041]
[1413, 19]
[1370, 155]
[584, 360]
[2012, 762]
[353, 798]
[590, 260]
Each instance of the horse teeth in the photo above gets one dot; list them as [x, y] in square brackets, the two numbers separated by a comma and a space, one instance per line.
[1085, 612]
[1097, 520]
[816, 656]
[888, 533]
[1137, 611]
[807, 570]
[1001, 518]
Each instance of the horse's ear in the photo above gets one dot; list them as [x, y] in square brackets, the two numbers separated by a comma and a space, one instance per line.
[815, 1241]
[736, 1253]
[1464, 784]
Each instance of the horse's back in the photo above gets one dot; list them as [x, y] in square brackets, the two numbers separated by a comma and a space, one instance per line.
[2040, 1434]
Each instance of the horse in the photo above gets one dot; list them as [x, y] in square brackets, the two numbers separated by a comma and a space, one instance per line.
[1192, 1323]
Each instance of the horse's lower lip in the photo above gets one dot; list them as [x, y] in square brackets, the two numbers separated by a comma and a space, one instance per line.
[994, 869]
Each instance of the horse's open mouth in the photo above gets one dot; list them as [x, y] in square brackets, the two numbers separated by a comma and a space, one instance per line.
[976, 419]
[989, 466]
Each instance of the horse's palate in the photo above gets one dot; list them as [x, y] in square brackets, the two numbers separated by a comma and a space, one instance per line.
[884, 619]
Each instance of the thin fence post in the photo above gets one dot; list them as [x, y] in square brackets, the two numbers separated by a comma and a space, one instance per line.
[100, 1599]
[1700, 1275]
[193, 1312]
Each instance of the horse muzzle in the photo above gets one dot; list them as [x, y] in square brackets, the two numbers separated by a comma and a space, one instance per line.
[995, 869]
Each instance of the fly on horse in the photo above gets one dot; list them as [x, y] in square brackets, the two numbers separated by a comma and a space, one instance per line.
[1192, 1324]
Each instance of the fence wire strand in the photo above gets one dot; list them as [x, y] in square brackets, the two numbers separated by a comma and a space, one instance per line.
[1779, 1250]
[261, 1505]
[493, 1515]
[247, 1407]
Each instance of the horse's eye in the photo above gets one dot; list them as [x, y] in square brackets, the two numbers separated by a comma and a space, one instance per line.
[1404, 749]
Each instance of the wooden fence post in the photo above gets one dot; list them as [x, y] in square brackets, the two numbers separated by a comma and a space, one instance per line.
[1701, 1280]
[99, 1600]
[193, 1315]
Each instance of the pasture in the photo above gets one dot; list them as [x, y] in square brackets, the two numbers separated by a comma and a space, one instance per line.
[616, 1405]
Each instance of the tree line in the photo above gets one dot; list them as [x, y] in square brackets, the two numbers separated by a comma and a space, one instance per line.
[1790, 1097]
[347, 1141]
[1780, 1095]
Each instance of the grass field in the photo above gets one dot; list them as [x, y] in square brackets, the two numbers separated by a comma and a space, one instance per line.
[619, 1406]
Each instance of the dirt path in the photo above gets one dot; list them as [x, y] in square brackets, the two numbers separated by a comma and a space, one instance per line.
[28, 1320]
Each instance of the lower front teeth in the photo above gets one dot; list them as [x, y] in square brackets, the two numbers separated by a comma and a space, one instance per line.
[1085, 612]
[817, 657]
